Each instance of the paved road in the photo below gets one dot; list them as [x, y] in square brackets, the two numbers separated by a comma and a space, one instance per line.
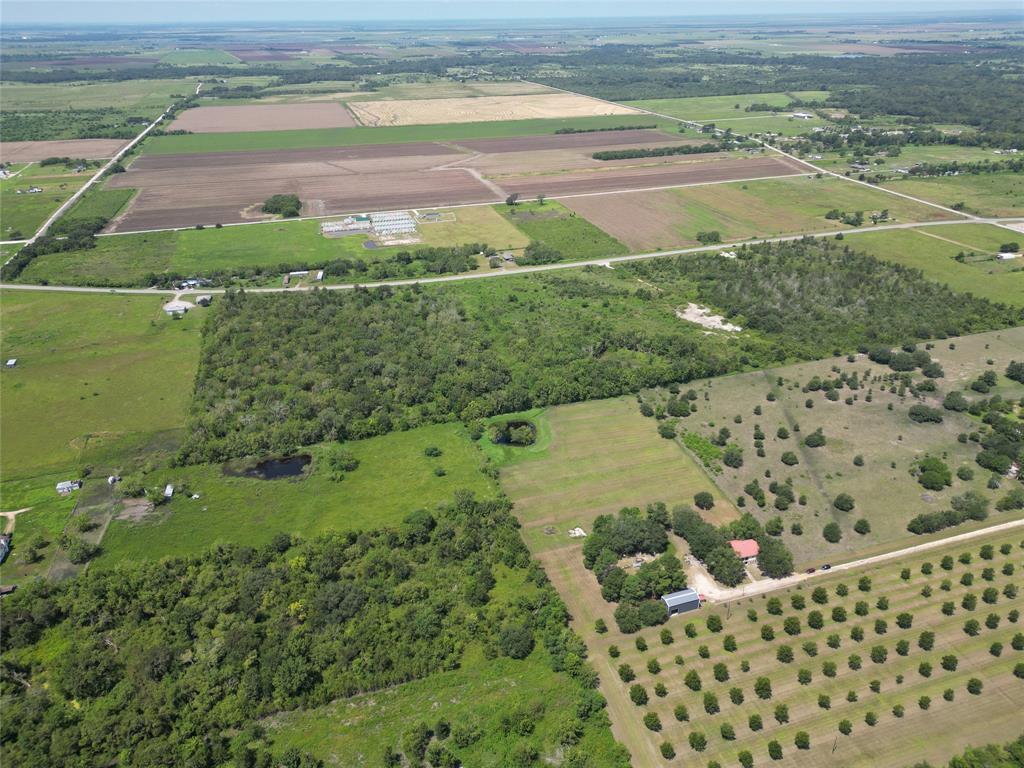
[705, 585]
[494, 273]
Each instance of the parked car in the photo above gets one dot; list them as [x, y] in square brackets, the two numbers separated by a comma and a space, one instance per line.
[810, 570]
[826, 567]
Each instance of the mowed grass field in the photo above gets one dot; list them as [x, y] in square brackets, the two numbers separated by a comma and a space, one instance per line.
[558, 227]
[740, 210]
[394, 478]
[127, 259]
[933, 250]
[712, 108]
[884, 491]
[26, 212]
[89, 365]
[343, 137]
[601, 456]
[986, 194]
[944, 729]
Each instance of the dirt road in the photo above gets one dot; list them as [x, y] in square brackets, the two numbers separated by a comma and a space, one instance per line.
[699, 579]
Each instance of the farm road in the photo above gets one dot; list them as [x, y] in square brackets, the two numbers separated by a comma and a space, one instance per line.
[705, 585]
[600, 262]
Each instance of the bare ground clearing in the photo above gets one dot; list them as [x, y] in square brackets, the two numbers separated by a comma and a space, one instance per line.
[31, 151]
[263, 117]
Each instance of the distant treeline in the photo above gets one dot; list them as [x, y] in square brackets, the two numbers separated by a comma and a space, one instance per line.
[682, 149]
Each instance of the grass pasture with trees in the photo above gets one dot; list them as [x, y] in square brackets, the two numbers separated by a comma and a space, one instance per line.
[984, 194]
[871, 665]
[868, 467]
[564, 235]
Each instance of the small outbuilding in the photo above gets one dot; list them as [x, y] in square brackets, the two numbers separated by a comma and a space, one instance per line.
[204, 300]
[168, 491]
[745, 549]
[681, 601]
[11, 362]
[65, 487]
[5, 545]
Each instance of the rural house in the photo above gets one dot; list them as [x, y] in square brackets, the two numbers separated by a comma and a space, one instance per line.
[745, 549]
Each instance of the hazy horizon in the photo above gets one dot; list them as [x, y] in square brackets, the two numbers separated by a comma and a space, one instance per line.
[168, 12]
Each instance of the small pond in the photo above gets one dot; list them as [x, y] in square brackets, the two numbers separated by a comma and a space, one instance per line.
[273, 469]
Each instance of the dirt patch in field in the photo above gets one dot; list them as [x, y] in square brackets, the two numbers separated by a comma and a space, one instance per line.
[134, 510]
[482, 109]
[594, 140]
[645, 221]
[31, 151]
[263, 117]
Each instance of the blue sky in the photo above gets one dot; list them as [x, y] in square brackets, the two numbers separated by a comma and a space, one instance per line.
[216, 11]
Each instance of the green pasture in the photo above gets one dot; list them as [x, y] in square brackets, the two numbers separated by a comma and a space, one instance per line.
[394, 477]
[933, 250]
[100, 203]
[132, 95]
[89, 366]
[908, 156]
[198, 56]
[595, 458]
[714, 108]
[986, 194]
[26, 212]
[342, 137]
[560, 228]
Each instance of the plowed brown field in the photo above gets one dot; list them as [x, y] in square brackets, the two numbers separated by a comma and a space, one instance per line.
[263, 117]
[31, 151]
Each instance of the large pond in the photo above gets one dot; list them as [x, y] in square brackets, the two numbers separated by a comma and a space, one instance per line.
[273, 469]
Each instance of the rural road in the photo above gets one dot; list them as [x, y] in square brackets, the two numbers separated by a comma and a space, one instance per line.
[705, 585]
[766, 145]
[485, 274]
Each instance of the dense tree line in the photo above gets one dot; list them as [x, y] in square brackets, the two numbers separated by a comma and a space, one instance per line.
[846, 297]
[173, 662]
[278, 372]
[66, 234]
[989, 756]
[681, 149]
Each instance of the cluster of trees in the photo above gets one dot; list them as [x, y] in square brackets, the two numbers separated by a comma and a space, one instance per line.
[968, 506]
[906, 359]
[633, 532]
[678, 149]
[838, 299]
[42, 125]
[287, 206]
[774, 559]
[277, 373]
[173, 662]
[709, 545]
[537, 252]
[989, 756]
[67, 234]
[1015, 165]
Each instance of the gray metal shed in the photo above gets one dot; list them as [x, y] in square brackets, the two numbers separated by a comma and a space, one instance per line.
[682, 601]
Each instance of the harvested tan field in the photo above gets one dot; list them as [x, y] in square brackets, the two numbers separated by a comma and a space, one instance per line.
[263, 117]
[482, 109]
[623, 178]
[644, 221]
[31, 151]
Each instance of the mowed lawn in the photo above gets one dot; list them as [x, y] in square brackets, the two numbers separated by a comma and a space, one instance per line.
[602, 456]
[987, 194]
[344, 137]
[88, 365]
[740, 210]
[706, 108]
[933, 250]
[932, 734]
[127, 259]
[884, 490]
[394, 477]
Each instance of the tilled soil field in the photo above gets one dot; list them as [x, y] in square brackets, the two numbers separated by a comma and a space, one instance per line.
[31, 151]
